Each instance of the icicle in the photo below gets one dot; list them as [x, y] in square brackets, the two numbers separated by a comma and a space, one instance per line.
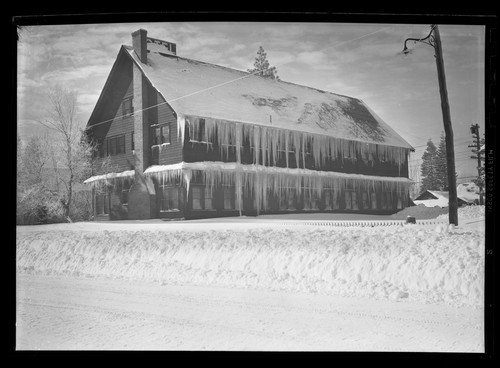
[287, 146]
[181, 127]
[296, 145]
[238, 191]
[256, 144]
[238, 131]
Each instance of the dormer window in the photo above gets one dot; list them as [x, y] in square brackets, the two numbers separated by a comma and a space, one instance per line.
[127, 107]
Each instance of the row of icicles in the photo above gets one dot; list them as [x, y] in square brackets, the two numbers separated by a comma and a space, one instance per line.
[274, 180]
[271, 140]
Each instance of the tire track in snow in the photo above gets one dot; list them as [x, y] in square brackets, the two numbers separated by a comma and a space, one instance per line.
[98, 313]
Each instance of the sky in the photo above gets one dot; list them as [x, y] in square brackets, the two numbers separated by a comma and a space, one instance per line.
[360, 60]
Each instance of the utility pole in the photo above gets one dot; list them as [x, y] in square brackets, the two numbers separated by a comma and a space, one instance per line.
[474, 129]
[433, 39]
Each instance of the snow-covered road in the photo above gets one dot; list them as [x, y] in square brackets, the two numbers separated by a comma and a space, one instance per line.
[67, 312]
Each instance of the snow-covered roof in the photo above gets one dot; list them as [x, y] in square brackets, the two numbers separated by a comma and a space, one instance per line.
[110, 176]
[468, 191]
[195, 88]
[441, 199]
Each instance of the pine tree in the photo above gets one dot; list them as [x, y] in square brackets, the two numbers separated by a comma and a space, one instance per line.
[262, 67]
[441, 164]
[428, 169]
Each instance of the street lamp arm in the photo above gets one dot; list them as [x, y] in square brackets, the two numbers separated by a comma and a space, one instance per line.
[429, 40]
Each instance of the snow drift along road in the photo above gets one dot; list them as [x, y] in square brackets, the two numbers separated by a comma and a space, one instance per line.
[403, 263]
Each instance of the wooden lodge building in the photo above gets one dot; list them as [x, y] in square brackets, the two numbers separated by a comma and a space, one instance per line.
[188, 139]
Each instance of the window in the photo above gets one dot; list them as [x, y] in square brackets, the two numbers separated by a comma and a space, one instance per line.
[374, 201]
[132, 147]
[366, 204]
[208, 198]
[169, 200]
[354, 201]
[199, 134]
[125, 191]
[197, 197]
[112, 146]
[347, 153]
[331, 199]
[202, 136]
[161, 134]
[310, 200]
[308, 147]
[386, 201]
[283, 200]
[127, 107]
[351, 200]
[291, 199]
[229, 194]
[202, 197]
[347, 200]
[102, 203]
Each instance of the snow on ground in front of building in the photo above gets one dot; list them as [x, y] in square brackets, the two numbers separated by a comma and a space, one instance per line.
[78, 313]
[411, 263]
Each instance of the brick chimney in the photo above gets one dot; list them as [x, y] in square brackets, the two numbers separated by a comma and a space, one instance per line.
[139, 42]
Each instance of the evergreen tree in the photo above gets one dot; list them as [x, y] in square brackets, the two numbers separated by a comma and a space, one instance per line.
[428, 169]
[442, 165]
[262, 67]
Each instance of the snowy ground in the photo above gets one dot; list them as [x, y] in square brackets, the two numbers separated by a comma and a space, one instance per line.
[258, 284]
[61, 312]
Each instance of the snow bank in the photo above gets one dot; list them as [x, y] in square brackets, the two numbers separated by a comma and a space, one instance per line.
[466, 213]
[403, 263]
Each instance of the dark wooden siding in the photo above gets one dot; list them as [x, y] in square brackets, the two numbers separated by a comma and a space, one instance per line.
[120, 125]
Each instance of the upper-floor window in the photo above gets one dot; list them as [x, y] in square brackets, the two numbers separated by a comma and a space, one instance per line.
[199, 135]
[127, 107]
[161, 134]
[112, 146]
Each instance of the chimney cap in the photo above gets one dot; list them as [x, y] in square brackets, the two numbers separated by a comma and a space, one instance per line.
[140, 30]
